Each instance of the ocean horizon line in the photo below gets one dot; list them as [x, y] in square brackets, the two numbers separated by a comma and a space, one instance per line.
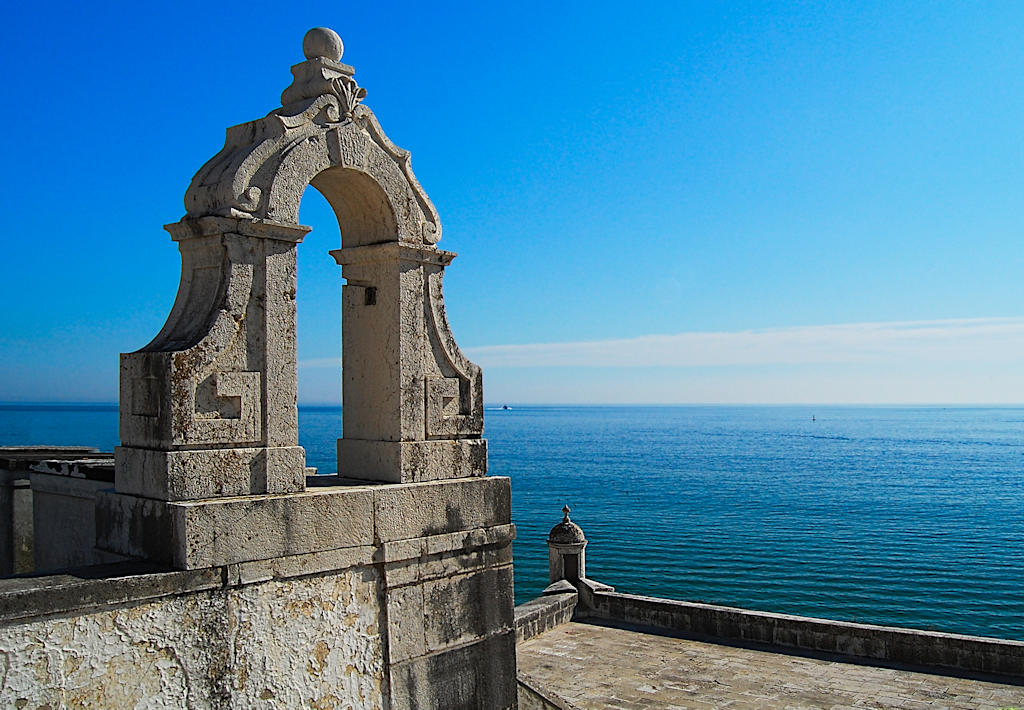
[499, 405]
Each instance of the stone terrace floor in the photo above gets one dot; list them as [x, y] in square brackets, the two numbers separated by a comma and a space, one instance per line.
[593, 666]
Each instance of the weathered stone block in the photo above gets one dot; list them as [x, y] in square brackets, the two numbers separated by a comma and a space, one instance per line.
[470, 551]
[405, 612]
[136, 527]
[463, 608]
[473, 677]
[424, 509]
[412, 461]
[205, 473]
[195, 534]
[64, 521]
[449, 611]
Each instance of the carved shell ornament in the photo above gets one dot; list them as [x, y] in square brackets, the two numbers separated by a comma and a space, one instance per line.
[348, 92]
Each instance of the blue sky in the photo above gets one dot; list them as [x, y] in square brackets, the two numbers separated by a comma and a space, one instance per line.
[665, 202]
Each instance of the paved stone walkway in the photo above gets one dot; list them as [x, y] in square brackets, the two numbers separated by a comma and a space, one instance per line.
[600, 667]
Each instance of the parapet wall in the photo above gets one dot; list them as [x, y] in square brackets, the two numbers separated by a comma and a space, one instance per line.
[543, 613]
[889, 645]
[196, 640]
[56, 486]
[413, 612]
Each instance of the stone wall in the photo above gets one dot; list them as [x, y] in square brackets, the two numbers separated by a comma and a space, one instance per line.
[64, 523]
[401, 592]
[925, 649]
[929, 650]
[64, 511]
[68, 478]
[302, 642]
[537, 616]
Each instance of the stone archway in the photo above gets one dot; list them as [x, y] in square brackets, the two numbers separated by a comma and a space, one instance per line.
[210, 477]
[208, 408]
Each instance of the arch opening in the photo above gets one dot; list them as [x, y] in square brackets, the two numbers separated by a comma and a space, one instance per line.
[362, 208]
[318, 334]
[363, 216]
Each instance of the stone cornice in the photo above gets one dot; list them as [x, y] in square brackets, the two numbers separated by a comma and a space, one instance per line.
[210, 226]
[388, 251]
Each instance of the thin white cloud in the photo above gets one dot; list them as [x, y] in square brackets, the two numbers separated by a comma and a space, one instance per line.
[322, 362]
[975, 340]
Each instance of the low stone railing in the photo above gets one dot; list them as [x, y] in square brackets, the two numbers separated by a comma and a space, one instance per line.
[543, 613]
[944, 652]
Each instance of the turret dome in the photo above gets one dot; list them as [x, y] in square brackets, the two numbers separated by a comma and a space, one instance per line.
[566, 532]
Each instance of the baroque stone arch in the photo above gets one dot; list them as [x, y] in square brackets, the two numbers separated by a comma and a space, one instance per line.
[208, 408]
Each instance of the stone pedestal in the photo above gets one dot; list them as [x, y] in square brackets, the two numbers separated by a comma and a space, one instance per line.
[209, 407]
[444, 549]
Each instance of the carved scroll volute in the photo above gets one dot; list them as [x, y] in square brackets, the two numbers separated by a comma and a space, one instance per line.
[454, 400]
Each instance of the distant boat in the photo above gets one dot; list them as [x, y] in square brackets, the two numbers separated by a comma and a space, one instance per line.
[506, 407]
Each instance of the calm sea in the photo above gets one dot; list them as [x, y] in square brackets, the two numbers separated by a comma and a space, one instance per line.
[906, 516]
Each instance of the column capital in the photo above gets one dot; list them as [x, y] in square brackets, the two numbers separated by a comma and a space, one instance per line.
[209, 226]
[391, 251]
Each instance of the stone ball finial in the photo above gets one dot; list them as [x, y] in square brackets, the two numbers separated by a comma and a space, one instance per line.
[322, 42]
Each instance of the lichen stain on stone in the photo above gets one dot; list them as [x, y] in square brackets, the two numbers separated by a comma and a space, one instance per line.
[304, 607]
[72, 663]
[318, 662]
[242, 678]
[327, 702]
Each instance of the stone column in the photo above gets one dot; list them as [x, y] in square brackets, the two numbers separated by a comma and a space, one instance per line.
[567, 558]
[209, 407]
[413, 405]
